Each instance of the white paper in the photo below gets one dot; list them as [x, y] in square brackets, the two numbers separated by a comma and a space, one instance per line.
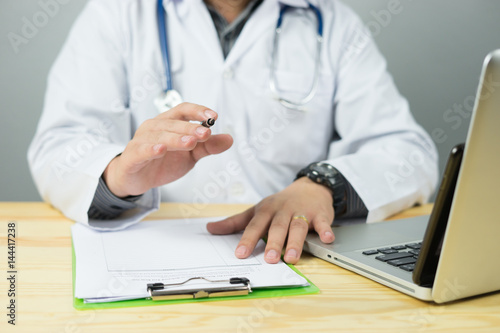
[112, 266]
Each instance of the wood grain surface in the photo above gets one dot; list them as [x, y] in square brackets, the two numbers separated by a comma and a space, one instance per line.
[347, 302]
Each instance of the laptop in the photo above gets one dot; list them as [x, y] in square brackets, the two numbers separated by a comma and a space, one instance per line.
[453, 252]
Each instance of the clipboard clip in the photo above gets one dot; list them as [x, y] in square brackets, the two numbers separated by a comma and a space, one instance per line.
[160, 291]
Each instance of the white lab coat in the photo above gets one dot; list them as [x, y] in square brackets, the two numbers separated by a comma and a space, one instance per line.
[103, 84]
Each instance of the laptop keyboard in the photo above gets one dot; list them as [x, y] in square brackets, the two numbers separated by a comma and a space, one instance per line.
[402, 256]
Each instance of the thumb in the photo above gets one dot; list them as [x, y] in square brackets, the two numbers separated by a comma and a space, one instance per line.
[232, 224]
[216, 144]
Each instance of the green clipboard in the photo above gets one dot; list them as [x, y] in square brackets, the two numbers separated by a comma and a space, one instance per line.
[256, 293]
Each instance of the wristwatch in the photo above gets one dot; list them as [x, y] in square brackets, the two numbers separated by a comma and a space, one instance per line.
[327, 175]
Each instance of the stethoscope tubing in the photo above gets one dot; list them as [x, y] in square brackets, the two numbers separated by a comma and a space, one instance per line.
[162, 31]
[297, 105]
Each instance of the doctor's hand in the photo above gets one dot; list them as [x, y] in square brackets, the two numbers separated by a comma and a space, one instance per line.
[164, 149]
[286, 216]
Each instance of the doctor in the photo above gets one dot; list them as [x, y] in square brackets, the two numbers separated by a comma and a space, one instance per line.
[308, 123]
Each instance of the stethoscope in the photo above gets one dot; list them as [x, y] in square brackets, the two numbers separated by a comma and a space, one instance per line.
[170, 97]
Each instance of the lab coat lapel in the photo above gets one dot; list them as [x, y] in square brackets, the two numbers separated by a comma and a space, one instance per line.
[261, 21]
[195, 18]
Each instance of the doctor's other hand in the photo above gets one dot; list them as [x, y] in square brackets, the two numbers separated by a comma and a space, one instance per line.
[164, 149]
[286, 217]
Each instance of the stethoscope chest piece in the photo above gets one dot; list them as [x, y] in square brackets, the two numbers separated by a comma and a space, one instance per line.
[167, 100]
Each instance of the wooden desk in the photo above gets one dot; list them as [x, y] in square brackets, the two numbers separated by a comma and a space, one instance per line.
[347, 302]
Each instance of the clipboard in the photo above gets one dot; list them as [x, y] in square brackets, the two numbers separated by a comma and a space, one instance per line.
[79, 304]
[234, 287]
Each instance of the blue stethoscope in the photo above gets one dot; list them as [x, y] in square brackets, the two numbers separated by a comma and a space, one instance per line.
[170, 97]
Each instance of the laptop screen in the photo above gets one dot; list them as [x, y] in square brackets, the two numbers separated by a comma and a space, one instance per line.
[426, 265]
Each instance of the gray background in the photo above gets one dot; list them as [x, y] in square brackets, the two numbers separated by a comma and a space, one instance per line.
[434, 50]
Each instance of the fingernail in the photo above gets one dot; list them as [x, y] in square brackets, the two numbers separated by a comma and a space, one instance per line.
[291, 254]
[210, 114]
[201, 130]
[272, 255]
[157, 148]
[241, 251]
[328, 235]
[186, 138]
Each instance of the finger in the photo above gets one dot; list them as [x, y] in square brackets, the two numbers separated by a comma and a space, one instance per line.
[296, 236]
[215, 144]
[144, 152]
[276, 236]
[254, 231]
[152, 129]
[189, 111]
[176, 141]
[232, 224]
[137, 153]
[171, 142]
[322, 224]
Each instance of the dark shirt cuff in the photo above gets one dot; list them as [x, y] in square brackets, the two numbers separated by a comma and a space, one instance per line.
[107, 206]
[355, 207]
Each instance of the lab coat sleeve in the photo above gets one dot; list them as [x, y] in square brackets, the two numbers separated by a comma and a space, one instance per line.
[387, 157]
[85, 122]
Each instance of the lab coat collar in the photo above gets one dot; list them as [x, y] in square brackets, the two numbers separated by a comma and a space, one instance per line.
[262, 20]
[296, 3]
[268, 9]
[191, 13]
[293, 3]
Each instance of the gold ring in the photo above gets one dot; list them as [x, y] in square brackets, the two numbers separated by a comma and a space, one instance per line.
[302, 217]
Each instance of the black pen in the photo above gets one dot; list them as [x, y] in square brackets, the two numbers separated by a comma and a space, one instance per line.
[208, 123]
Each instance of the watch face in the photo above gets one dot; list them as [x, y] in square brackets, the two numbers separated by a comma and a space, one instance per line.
[323, 169]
